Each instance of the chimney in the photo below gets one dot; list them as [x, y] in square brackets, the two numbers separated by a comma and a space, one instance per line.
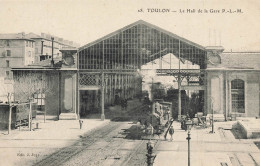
[42, 47]
[21, 35]
[43, 35]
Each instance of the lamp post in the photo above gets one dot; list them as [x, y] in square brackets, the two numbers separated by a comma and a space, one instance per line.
[189, 125]
[149, 146]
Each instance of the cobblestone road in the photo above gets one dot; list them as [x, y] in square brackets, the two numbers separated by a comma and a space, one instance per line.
[103, 146]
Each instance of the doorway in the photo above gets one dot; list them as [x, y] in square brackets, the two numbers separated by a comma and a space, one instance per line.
[89, 102]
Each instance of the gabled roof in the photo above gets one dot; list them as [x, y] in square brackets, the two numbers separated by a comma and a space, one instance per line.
[14, 36]
[33, 36]
[147, 24]
[240, 60]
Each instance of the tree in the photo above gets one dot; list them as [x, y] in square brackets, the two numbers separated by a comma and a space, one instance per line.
[29, 83]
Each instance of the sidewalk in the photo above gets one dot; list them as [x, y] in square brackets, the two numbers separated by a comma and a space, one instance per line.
[25, 147]
[206, 148]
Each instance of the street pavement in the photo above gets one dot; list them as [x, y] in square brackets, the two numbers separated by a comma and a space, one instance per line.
[26, 147]
[207, 149]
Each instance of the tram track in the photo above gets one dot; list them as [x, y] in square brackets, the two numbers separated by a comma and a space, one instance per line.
[106, 150]
[65, 154]
[103, 146]
[137, 157]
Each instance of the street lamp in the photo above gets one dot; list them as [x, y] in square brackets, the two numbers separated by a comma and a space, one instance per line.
[149, 146]
[150, 154]
[189, 125]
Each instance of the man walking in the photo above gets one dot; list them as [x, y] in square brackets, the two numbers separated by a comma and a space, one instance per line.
[171, 131]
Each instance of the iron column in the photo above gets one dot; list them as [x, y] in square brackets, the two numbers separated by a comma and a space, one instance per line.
[212, 119]
[179, 84]
[103, 86]
[212, 125]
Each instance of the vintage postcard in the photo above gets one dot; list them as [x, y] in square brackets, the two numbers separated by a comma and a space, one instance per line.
[128, 82]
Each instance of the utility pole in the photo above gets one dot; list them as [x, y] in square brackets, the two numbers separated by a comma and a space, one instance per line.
[179, 84]
[52, 61]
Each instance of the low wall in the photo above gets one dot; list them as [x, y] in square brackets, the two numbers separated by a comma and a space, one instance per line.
[250, 127]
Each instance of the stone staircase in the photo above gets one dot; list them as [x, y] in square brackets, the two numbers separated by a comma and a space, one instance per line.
[68, 116]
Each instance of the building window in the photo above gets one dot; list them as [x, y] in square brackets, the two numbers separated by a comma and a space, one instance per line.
[39, 98]
[27, 43]
[8, 52]
[29, 53]
[7, 74]
[7, 63]
[238, 95]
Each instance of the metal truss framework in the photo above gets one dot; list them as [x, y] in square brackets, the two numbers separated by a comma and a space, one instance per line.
[123, 52]
[112, 62]
[193, 76]
[135, 45]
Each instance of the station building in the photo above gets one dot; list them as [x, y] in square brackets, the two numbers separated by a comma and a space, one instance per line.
[87, 79]
[20, 50]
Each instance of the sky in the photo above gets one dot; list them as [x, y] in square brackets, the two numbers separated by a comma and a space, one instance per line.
[85, 21]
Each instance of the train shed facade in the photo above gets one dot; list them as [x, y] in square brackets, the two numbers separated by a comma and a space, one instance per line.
[109, 68]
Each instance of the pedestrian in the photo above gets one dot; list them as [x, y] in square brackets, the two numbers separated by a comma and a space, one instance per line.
[150, 130]
[122, 104]
[171, 131]
[125, 104]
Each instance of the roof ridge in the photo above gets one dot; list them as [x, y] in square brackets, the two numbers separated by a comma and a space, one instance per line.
[243, 52]
[134, 24]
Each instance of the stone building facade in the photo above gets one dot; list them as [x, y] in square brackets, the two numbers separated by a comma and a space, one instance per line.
[15, 51]
[108, 68]
[43, 45]
[20, 50]
[233, 81]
